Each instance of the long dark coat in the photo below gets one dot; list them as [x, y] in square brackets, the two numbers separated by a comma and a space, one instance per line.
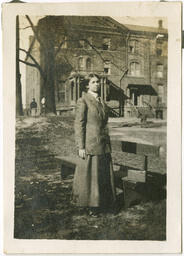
[93, 181]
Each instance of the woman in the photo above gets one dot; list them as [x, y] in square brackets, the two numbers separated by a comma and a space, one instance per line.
[93, 185]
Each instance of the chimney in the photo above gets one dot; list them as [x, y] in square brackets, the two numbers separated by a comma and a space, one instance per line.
[160, 24]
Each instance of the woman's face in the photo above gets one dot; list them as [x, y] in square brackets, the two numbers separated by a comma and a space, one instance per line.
[94, 84]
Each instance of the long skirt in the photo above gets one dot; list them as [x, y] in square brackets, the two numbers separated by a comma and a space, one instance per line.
[93, 184]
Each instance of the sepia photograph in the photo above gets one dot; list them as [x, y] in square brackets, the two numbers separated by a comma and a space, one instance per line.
[91, 80]
[91, 127]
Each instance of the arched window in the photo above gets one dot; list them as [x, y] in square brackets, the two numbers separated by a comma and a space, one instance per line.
[160, 70]
[106, 44]
[81, 63]
[135, 69]
[88, 64]
[107, 67]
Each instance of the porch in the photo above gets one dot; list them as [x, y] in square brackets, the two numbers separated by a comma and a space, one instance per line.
[141, 100]
[76, 85]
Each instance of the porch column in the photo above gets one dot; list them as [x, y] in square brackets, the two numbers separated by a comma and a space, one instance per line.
[133, 98]
[141, 98]
[105, 89]
[75, 90]
[102, 88]
[138, 101]
[120, 103]
[128, 95]
[78, 88]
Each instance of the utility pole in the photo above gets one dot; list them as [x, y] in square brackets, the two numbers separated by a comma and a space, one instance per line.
[19, 111]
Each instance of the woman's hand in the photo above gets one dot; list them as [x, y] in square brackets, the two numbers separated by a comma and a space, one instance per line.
[82, 153]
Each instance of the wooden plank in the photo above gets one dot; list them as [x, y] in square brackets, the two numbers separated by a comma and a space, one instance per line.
[136, 148]
[68, 160]
[67, 164]
[116, 145]
[137, 176]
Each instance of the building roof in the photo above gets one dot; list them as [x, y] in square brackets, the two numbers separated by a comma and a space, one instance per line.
[85, 22]
[146, 29]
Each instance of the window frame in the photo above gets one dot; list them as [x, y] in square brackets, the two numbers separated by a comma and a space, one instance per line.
[107, 65]
[107, 43]
[160, 95]
[134, 46]
[160, 73]
[82, 65]
[86, 68]
[135, 72]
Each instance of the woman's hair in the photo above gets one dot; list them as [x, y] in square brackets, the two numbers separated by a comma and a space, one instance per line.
[91, 75]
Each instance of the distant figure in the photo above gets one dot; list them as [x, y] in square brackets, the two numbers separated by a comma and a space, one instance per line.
[43, 101]
[33, 107]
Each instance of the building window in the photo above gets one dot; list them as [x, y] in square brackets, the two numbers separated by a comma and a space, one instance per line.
[88, 64]
[81, 63]
[86, 44]
[135, 69]
[107, 68]
[160, 69]
[160, 93]
[89, 43]
[159, 45]
[159, 52]
[133, 46]
[106, 44]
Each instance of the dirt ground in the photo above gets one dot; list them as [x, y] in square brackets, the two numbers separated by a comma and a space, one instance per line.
[43, 207]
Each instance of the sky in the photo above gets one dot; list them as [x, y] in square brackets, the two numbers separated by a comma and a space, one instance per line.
[141, 21]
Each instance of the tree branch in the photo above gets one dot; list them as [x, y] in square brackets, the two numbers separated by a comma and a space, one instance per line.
[35, 32]
[59, 47]
[94, 48]
[34, 60]
[30, 47]
[28, 63]
[28, 53]
[25, 28]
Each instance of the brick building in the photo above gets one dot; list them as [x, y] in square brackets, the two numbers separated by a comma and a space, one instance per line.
[131, 61]
[146, 81]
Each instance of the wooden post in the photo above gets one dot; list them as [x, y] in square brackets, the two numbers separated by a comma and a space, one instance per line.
[145, 163]
[120, 103]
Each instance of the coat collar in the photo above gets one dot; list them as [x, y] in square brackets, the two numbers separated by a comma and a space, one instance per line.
[99, 106]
